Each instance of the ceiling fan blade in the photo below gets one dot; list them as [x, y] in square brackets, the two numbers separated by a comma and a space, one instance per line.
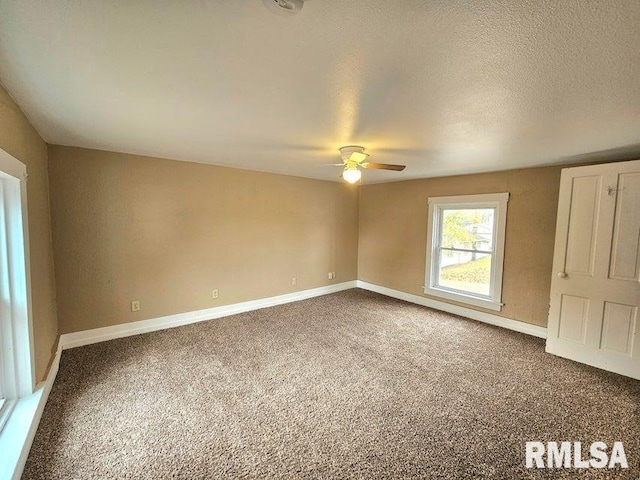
[384, 166]
[332, 165]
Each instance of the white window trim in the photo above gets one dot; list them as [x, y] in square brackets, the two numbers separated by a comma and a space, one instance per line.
[491, 200]
[16, 349]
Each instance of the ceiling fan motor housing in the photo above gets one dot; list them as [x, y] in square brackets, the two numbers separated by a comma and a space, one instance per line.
[345, 152]
[284, 7]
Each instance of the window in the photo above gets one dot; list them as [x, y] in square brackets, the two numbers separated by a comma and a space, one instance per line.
[465, 248]
[16, 366]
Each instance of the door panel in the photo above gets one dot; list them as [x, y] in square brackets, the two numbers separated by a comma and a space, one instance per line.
[583, 224]
[618, 328]
[574, 312]
[625, 251]
[595, 289]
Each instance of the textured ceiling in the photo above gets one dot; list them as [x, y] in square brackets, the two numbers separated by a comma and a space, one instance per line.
[445, 87]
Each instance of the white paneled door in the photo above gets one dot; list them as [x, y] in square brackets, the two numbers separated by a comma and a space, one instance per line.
[595, 290]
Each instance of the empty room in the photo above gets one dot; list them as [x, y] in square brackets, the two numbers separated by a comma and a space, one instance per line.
[319, 239]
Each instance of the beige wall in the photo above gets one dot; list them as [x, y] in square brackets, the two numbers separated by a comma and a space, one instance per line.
[20, 139]
[166, 233]
[393, 230]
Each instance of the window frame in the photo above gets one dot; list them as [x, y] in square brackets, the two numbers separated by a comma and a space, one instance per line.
[16, 337]
[437, 205]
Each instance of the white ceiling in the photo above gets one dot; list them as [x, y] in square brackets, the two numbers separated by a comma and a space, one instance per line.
[444, 87]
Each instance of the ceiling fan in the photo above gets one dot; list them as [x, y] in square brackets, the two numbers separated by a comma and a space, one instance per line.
[353, 159]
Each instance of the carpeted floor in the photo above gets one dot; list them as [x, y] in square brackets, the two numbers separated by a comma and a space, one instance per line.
[349, 385]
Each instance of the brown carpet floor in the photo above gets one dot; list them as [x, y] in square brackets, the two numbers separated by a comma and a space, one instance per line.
[349, 385]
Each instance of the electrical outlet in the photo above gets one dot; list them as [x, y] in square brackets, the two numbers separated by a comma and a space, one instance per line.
[135, 306]
[214, 293]
[330, 275]
[294, 281]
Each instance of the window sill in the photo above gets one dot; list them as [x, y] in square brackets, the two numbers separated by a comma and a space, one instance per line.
[17, 434]
[462, 298]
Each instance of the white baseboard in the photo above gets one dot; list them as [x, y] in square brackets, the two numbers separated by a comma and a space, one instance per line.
[489, 318]
[86, 337]
[19, 431]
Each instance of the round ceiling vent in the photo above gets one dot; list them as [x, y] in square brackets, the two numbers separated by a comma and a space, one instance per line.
[284, 7]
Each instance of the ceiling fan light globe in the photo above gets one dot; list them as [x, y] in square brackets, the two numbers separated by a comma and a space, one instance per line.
[352, 175]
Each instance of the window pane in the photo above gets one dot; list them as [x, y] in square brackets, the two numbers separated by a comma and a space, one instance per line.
[470, 228]
[469, 272]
